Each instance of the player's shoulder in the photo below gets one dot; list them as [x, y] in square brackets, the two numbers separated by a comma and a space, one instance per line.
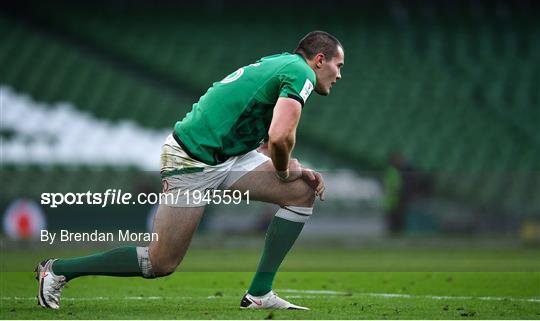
[288, 63]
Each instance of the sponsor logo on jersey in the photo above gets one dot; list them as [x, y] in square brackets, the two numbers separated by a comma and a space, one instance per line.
[306, 91]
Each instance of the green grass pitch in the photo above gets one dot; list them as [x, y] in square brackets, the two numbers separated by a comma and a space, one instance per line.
[334, 284]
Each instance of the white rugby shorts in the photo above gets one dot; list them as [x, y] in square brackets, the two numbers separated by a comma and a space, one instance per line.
[180, 173]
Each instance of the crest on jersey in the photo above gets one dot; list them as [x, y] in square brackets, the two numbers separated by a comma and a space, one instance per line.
[232, 77]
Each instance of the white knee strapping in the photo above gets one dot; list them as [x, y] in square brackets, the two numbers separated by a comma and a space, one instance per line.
[144, 262]
[295, 213]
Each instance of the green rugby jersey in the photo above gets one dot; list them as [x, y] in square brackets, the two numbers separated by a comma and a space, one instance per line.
[234, 115]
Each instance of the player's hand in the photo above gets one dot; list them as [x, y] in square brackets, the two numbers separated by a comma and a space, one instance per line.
[293, 173]
[315, 180]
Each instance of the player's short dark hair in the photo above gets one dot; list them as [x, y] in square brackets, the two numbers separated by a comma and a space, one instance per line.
[318, 42]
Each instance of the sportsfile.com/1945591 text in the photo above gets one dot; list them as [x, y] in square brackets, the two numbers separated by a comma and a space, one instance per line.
[117, 197]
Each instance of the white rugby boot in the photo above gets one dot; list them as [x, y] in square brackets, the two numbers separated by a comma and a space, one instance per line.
[268, 301]
[50, 285]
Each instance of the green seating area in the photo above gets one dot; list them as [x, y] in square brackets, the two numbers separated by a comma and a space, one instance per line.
[454, 90]
[52, 71]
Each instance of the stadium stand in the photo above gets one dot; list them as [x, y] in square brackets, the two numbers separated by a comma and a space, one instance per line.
[455, 92]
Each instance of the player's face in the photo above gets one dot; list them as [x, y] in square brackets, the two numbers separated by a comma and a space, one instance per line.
[329, 72]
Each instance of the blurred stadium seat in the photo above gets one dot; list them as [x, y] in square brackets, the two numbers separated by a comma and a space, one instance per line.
[454, 89]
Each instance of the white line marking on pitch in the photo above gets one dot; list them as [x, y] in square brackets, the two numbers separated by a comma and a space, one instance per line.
[447, 297]
[103, 298]
[413, 296]
[324, 292]
[314, 292]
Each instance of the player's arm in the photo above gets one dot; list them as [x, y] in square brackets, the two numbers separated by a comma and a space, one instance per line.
[282, 134]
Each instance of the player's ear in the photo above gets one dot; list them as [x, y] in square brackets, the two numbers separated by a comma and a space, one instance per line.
[319, 59]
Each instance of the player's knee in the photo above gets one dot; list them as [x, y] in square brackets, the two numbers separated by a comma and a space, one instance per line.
[306, 199]
[159, 266]
[165, 268]
[304, 195]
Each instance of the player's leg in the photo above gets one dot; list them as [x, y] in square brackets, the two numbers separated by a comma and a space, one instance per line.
[296, 200]
[175, 222]
[174, 226]
[263, 185]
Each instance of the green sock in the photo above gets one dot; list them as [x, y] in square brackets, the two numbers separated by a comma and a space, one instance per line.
[280, 237]
[121, 261]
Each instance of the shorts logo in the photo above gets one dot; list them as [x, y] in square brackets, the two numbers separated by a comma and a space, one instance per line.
[306, 91]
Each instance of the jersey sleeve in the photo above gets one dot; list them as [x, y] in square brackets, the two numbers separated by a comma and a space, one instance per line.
[296, 82]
